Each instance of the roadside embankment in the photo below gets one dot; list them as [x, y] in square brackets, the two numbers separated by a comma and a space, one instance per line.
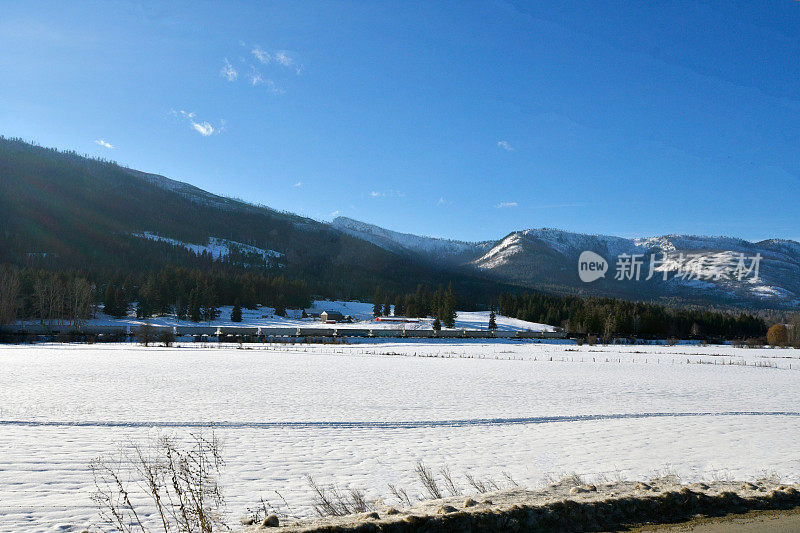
[560, 507]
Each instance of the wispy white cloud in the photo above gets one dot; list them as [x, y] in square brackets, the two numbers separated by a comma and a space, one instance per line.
[279, 57]
[262, 55]
[257, 79]
[335, 213]
[298, 184]
[104, 144]
[505, 146]
[506, 204]
[228, 71]
[204, 127]
[442, 201]
[282, 58]
[390, 193]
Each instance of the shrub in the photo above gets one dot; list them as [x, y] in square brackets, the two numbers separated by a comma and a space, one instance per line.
[753, 342]
[145, 334]
[166, 337]
[778, 335]
[179, 480]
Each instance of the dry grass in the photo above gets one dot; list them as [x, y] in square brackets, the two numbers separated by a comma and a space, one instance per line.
[180, 481]
[335, 502]
[401, 494]
[428, 480]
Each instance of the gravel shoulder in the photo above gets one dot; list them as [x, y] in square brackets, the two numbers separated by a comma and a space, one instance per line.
[753, 521]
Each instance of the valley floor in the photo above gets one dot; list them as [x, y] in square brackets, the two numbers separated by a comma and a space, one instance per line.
[360, 311]
[362, 415]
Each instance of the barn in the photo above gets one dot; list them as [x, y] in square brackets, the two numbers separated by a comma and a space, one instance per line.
[331, 317]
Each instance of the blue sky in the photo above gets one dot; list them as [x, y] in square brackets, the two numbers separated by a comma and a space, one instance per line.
[465, 120]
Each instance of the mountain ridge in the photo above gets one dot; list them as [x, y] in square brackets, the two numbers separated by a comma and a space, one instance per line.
[546, 258]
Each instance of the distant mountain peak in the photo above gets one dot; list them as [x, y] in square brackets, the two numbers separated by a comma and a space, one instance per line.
[446, 250]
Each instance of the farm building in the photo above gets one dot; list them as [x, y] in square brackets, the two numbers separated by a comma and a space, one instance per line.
[330, 317]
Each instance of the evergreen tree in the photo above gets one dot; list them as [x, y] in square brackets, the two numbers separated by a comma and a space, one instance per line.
[399, 307]
[449, 308]
[437, 326]
[492, 321]
[121, 302]
[208, 306]
[410, 307]
[387, 307]
[377, 302]
[193, 307]
[110, 301]
[236, 313]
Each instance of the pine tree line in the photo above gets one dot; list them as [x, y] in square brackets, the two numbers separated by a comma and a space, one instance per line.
[194, 294]
[439, 304]
[610, 317]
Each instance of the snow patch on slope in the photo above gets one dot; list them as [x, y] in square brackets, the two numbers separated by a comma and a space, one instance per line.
[500, 253]
[217, 248]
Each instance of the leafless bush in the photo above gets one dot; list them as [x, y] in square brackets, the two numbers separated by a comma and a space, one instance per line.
[264, 509]
[10, 301]
[145, 334]
[768, 477]
[334, 502]
[448, 482]
[181, 482]
[574, 480]
[401, 494]
[166, 337]
[428, 480]
[571, 480]
[666, 475]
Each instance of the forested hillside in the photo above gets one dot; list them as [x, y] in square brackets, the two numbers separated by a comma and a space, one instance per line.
[61, 211]
[75, 232]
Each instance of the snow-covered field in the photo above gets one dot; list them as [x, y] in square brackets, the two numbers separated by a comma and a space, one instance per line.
[361, 415]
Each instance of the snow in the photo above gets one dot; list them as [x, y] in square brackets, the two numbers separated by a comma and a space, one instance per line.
[361, 415]
[500, 253]
[360, 311]
[218, 248]
[392, 240]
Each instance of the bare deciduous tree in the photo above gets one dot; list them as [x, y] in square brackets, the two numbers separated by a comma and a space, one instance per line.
[79, 304]
[10, 303]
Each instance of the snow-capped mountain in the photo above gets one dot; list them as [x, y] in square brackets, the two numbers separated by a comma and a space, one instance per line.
[444, 250]
[688, 268]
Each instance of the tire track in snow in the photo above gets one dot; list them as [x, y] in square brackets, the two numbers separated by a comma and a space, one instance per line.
[387, 424]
